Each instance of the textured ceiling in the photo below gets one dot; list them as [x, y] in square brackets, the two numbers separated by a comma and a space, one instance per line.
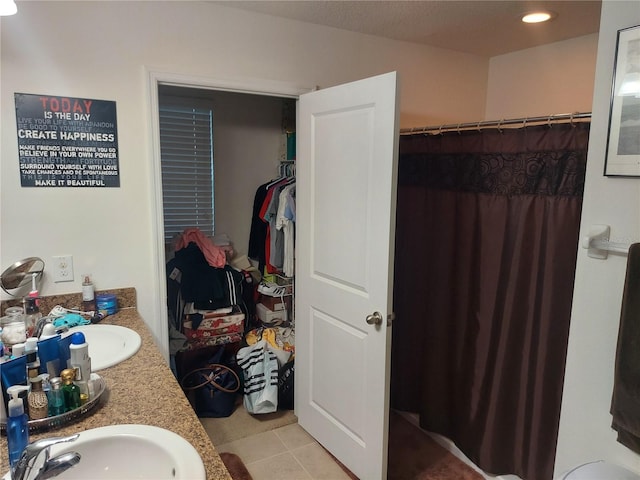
[486, 28]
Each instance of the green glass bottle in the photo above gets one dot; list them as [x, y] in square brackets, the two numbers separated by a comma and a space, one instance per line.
[71, 390]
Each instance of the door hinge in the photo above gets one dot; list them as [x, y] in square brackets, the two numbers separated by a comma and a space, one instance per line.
[390, 318]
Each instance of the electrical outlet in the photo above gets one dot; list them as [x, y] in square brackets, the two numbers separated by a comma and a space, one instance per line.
[63, 268]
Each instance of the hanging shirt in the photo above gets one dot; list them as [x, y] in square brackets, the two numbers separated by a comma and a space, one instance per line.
[258, 232]
[268, 215]
[284, 222]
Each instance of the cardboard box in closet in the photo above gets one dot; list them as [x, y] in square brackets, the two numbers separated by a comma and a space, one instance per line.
[268, 316]
[275, 303]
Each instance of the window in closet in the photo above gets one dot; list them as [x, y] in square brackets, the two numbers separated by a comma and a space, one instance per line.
[186, 151]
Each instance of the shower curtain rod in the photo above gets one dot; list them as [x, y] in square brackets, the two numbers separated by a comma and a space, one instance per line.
[550, 119]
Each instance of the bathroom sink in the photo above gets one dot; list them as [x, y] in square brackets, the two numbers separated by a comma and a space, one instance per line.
[142, 452]
[108, 344]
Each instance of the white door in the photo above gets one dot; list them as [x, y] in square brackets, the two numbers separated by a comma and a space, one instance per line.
[346, 191]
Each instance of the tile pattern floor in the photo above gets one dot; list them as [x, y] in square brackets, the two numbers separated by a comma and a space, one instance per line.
[286, 453]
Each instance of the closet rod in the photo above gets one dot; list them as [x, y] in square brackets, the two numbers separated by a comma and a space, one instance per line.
[456, 127]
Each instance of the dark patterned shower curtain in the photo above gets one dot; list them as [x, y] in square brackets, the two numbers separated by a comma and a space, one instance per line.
[486, 244]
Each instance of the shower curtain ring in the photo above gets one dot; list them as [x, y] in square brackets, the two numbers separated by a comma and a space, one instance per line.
[549, 121]
[458, 130]
[500, 125]
[571, 120]
[524, 122]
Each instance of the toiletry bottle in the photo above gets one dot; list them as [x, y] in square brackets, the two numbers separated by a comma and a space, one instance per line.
[79, 356]
[32, 372]
[70, 389]
[56, 397]
[17, 428]
[80, 362]
[88, 294]
[31, 351]
[17, 381]
[38, 403]
[46, 385]
[31, 314]
[18, 349]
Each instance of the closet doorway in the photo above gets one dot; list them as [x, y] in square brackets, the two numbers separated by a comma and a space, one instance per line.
[238, 186]
[216, 148]
[365, 116]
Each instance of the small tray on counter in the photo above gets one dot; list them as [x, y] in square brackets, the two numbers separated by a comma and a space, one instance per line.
[67, 417]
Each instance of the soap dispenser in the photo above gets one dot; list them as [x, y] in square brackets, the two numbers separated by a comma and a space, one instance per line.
[32, 307]
[17, 425]
[37, 399]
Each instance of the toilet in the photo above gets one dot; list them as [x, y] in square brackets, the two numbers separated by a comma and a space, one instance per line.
[599, 470]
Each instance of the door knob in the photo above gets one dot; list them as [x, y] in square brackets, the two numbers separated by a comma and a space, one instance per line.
[374, 319]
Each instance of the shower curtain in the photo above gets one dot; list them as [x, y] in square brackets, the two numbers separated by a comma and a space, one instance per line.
[486, 244]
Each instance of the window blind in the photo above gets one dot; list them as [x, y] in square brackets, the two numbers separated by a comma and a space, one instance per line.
[186, 151]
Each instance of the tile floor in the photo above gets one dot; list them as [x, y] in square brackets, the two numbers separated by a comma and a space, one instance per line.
[290, 453]
[286, 453]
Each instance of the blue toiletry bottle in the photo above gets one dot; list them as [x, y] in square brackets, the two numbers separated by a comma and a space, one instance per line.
[17, 428]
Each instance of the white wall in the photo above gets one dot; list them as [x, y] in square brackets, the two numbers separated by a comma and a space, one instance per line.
[550, 79]
[585, 425]
[102, 50]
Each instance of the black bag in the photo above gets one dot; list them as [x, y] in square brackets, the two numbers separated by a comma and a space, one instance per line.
[285, 386]
[212, 389]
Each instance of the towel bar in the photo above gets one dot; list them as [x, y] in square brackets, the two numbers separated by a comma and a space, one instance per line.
[598, 244]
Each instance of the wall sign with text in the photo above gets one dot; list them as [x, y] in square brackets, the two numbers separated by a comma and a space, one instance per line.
[66, 141]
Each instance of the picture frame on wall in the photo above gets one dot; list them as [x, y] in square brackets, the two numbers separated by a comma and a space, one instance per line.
[623, 141]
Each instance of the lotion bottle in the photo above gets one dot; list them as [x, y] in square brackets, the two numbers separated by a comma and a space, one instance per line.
[17, 428]
[88, 294]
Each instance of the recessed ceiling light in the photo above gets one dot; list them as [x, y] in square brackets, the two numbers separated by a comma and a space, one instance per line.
[537, 17]
[8, 7]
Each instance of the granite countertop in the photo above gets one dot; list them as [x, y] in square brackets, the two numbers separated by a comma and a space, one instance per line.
[141, 390]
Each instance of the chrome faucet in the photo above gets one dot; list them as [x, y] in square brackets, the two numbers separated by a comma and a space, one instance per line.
[57, 465]
[40, 324]
[25, 468]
